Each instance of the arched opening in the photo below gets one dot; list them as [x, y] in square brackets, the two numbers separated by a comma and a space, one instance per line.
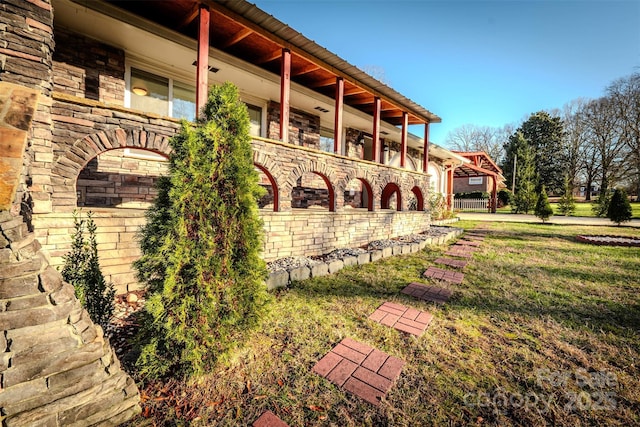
[416, 201]
[121, 178]
[391, 197]
[313, 191]
[358, 194]
[270, 201]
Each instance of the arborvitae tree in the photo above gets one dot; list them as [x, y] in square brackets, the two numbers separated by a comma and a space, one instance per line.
[543, 208]
[619, 210]
[567, 203]
[600, 206]
[524, 198]
[201, 247]
[82, 270]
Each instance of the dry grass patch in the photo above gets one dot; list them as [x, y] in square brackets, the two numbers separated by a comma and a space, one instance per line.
[537, 321]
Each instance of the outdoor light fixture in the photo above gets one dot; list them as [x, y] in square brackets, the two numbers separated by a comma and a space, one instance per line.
[140, 91]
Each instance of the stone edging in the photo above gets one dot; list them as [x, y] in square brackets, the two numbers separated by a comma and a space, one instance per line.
[609, 240]
[445, 221]
[282, 278]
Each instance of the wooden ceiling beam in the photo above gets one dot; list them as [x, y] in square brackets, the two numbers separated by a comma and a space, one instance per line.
[323, 83]
[354, 91]
[236, 38]
[271, 56]
[311, 67]
[189, 17]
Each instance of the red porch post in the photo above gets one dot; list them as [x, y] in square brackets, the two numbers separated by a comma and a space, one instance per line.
[337, 124]
[285, 92]
[375, 146]
[494, 194]
[202, 64]
[425, 154]
[403, 139]
[450, 187]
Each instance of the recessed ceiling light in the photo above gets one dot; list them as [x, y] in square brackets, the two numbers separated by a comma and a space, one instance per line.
[140, 91]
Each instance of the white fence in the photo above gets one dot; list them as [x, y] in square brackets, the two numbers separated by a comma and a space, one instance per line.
[471, 204]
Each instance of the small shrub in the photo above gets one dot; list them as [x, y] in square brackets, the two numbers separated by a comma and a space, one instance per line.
[505, 197]
[619, 209]
[543, 209]
[567, 203]
[600, 206]
[472, 195]
[437, 206]
[82, 270]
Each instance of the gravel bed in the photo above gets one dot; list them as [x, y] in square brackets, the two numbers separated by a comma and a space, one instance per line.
[289, 263]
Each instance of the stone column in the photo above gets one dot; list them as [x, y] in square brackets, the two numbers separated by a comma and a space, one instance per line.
[56, 367]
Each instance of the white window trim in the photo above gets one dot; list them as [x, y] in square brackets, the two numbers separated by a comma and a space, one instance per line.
[143, 66]
[260, 103]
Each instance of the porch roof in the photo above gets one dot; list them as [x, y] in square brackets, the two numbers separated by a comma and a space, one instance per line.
[241, 29]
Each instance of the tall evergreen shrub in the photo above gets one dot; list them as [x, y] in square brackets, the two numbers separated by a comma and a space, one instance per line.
[619, 209]
[543, 209]
[567, 203]
[201, 246]
[82, 270]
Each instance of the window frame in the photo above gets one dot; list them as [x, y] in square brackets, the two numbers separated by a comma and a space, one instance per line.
[155, 71]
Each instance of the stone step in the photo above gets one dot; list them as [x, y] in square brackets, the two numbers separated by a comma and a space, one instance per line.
[269, 419]
[457, 263]
[427, 293]
[441, 274]
[402, 318]
[360, 369]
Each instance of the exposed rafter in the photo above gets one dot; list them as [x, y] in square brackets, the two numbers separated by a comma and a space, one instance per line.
[237, 37]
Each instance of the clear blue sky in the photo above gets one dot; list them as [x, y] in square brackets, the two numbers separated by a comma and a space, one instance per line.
[477, 62]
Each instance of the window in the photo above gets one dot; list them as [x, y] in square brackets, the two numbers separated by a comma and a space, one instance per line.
[160, 95]
[326, 140]
[255, 119]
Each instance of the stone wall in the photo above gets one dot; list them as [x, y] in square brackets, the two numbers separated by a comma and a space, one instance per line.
[306, 232]
[119, 178]
[56, 368]
[304, 128]
[87, 68]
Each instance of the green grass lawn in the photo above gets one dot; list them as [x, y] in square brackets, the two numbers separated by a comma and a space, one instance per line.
[582, 209]
[543, 331]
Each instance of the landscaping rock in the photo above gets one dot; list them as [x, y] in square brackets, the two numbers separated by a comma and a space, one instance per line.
[300, 273]
[318, 270]
[278, 279]
[364, 258]
[335, 266]
[350, 260]
[376, 255]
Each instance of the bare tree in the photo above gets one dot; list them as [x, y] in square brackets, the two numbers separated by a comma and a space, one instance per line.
[479, 138]
[574, 140]
[605, 133]
[625, 95]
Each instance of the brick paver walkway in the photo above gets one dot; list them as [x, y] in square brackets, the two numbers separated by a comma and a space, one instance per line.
[428, 293]
[475, 237]
[468, 243]
[402, 318]
[361, 370]
[269, 419]
[462, 254]
[457, 263]
[463, 248]
[441, 274]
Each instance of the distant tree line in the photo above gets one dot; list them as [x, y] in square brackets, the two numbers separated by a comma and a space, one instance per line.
[589, 142]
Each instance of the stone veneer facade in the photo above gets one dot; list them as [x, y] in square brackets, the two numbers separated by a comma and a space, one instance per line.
[56, 367]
